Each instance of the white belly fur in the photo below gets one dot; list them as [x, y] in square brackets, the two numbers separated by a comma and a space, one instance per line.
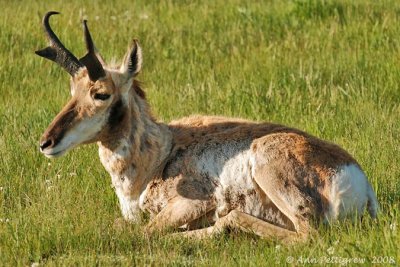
[229, 166]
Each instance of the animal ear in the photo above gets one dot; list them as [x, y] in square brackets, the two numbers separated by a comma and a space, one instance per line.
[132, 61]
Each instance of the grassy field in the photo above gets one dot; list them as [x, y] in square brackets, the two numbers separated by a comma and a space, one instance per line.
[331, 68]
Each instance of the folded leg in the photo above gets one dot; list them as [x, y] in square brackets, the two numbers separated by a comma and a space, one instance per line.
[180, 211]
[247, 223]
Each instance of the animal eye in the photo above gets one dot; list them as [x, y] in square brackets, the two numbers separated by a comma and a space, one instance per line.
[98, 96]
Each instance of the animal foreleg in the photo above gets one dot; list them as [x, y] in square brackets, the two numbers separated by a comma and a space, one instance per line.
[179, 211]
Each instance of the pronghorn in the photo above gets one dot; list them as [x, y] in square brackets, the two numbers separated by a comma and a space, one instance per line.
[200, 173]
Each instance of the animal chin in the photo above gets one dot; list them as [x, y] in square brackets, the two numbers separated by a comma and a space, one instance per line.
[55, 154]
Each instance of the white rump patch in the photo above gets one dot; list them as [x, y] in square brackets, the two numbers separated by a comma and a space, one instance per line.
[349, 193]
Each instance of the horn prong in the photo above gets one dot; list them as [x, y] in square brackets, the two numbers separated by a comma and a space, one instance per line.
[56, 51]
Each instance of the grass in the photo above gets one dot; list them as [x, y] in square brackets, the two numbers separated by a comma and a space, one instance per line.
[328, 67]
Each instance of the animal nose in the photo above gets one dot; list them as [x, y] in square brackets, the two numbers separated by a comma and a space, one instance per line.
[46, 143]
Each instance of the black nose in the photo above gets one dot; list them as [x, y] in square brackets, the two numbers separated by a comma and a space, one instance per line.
[45, 144]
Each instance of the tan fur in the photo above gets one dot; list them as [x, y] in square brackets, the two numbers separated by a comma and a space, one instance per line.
[206, 172]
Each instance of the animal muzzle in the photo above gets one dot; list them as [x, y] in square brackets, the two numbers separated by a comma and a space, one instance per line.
[49, 143]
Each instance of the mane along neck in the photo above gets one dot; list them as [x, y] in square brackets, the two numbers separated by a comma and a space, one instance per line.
[136, 145]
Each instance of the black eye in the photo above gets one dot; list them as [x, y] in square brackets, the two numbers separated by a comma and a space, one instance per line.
[98, 96]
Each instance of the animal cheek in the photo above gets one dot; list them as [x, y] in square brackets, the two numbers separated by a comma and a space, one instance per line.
[117, 114]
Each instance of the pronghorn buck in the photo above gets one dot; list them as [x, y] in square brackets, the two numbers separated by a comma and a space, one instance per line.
[200, 173]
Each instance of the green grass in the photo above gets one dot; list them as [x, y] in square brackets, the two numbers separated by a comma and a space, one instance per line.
[328, 67]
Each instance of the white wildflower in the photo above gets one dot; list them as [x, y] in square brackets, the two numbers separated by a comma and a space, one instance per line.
[127, 15]
[242, 10]
[48, 184]
[143, 16]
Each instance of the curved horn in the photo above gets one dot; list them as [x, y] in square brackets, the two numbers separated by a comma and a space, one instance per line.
[90, 60]
[56, 51]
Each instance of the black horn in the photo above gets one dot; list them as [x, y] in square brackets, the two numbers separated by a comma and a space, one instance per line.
[90, 60]
[56, 50]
